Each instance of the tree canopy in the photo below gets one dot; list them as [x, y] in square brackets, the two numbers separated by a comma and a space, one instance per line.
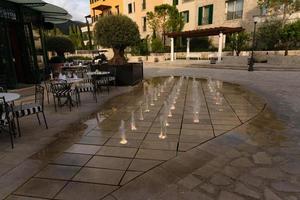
[117, 32]
[60, 45]
[280, 7]
[165, 18]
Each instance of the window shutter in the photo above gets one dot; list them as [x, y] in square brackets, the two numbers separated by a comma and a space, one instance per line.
[211, 14]
[188, 16]
[200, 15]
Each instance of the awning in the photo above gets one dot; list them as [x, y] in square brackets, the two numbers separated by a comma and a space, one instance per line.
[51, 13]
[205, 32]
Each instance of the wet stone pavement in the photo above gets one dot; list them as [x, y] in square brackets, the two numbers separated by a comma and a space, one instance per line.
[231, 154]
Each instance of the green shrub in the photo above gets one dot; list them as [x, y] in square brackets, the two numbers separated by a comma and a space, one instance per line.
[141, 49]
[157, 45]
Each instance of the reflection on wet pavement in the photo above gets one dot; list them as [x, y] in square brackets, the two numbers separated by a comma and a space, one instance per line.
[90, 158]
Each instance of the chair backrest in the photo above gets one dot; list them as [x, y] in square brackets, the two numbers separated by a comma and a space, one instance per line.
[4, 108]
[39, 95]
[59, 86]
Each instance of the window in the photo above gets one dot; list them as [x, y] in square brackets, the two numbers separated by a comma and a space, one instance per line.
[144, 5]
[185, 15]
[234, 9]
[130, 8]
[144, 21]
[175, 2]
[205, 15]
[118, 10]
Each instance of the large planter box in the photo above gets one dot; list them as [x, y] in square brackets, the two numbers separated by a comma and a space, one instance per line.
[129, 74]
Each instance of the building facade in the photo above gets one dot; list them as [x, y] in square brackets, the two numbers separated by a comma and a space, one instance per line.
[198, 14]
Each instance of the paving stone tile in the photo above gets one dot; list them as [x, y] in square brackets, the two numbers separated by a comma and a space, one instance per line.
[130, 143]
[194, 195]
[224, 195]
[268, 172]
[129, 175]
[92, 140]
[161, 145]
[262, 158]
[72, 159]
[143, 165]
[284, 186]
[155, 154]
[109, 162]
[209, 188]
[291, 167]
[41, 188]
[95, 175]
[251, 180]
[189, 182]
[220, 180]
[125, 152]
[58, 172]
[244, 190]
[231, 172]
[270, 195]
[83, 149]
[80, 191]
[15, 197]
[242, 162]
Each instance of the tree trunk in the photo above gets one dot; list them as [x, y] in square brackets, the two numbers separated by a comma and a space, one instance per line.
[286, 51]
[119, 58]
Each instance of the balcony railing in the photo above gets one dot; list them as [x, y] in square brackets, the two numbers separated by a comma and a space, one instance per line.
[234, 15]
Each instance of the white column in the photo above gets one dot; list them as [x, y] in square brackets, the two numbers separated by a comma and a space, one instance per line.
[172, 49]
[188, 48]
[220, 47]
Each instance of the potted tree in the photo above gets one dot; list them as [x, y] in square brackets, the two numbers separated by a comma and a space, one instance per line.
[119, 32]
[60, 45]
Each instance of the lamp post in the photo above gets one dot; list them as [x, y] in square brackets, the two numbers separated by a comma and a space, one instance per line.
[89, 31]
[251, 62]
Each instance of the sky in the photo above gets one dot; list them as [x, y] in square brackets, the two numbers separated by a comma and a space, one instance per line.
[77, 8]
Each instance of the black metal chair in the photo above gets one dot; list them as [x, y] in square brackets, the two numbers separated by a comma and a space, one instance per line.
[88, 85]
[101, 81]
[7, 120]
[61, 90]
[31, 108]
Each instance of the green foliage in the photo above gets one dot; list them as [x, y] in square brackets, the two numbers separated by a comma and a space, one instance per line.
[268, 35]
[141, 49]
[157, 45]
[75, 35]
[56, 59]
[60, 45]
[239, 42]
[290, 35]
[116, 31]
[280, 7]
[165, 18]
[54, 32]
[200, 44]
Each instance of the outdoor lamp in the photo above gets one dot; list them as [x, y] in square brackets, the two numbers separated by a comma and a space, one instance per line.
[251, 62]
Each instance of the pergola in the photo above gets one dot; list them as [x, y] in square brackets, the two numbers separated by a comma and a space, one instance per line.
[202, 33]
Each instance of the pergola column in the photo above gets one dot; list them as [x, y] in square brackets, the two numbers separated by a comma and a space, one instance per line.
[172, 49]
[188, 48]
[220, 47]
